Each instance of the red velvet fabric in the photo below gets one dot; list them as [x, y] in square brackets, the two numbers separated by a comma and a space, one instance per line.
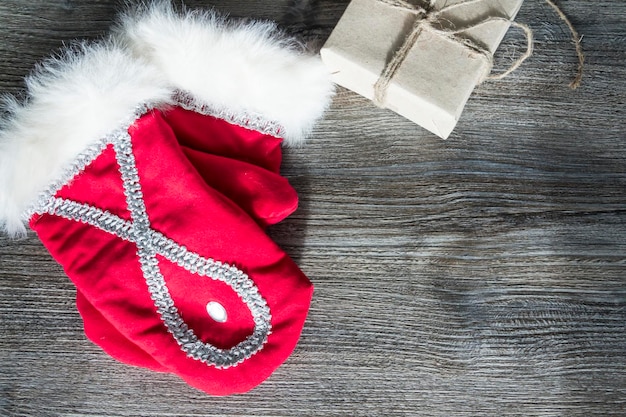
[211, 187]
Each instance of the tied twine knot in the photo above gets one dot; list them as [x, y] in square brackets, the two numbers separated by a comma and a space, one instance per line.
[427, 18]
[431, 20]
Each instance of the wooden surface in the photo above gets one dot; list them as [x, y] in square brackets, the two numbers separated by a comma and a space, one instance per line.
[484, 275]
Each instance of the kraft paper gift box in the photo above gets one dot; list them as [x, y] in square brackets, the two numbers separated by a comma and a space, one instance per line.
[439, 71]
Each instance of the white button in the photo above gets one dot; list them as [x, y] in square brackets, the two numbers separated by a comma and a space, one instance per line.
[216, 311]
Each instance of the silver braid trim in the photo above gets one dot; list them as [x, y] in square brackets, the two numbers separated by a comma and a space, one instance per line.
[77, 166]
[247, 120]
[185, 100]
[151, 243]
[82, 160]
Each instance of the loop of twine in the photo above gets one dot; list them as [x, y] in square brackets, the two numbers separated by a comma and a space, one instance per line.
[577, 43]
[430, 20]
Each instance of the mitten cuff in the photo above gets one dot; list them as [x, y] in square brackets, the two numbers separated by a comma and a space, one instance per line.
[72, 101]
[237, 70]
[248, 74]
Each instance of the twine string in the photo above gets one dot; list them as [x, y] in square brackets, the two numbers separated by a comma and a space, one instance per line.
[577, 43]
[429, 19]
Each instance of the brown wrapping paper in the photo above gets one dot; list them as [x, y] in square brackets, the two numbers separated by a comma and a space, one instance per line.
[438, 74]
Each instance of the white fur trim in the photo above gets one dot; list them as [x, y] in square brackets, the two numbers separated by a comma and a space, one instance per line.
[72, 101]
[242, 67]
[79, 97]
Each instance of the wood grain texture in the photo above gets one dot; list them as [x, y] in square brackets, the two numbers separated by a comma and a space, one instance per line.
[484, 275]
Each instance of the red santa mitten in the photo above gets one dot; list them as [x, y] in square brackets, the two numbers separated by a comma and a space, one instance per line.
[241, 163]
[107, 161]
